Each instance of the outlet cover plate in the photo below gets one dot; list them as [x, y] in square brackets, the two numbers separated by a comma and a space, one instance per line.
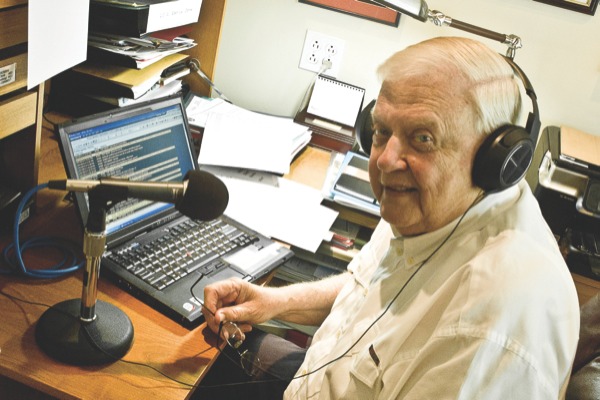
[319, 47]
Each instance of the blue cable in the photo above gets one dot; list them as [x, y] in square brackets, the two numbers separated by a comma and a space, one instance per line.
[13, 253]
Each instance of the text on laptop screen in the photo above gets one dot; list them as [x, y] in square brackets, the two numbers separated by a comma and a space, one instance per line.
[151, 146]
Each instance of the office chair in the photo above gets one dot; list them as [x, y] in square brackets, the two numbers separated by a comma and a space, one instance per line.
[585, 376]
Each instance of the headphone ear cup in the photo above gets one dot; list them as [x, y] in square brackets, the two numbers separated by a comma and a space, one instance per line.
[503, 158]
[364, 128]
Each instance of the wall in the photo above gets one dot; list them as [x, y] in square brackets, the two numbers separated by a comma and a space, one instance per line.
[261, 42]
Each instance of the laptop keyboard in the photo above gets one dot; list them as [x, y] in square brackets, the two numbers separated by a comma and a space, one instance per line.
[188, 247]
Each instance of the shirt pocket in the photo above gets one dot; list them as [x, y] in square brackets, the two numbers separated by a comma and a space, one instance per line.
[365, 368]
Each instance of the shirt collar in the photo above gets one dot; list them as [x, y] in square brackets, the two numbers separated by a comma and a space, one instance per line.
[418, 248]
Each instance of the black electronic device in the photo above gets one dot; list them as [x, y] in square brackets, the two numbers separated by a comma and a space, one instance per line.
[503, 158]
[567, 191]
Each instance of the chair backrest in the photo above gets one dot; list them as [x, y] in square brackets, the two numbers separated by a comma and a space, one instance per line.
[585, 376]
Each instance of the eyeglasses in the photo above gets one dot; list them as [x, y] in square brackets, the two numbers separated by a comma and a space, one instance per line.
[234, 337]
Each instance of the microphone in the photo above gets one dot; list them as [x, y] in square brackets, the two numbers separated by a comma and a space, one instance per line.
[200, 196]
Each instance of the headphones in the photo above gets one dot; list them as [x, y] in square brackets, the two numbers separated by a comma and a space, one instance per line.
[502, 159]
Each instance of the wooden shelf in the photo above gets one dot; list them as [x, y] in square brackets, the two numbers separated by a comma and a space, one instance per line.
[20, 109]
[207, 34]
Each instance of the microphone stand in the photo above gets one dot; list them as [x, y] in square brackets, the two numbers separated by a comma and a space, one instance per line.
[419, 10]
[88, 331]
[512, 41]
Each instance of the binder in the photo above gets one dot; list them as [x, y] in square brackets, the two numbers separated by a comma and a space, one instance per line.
[138, 17]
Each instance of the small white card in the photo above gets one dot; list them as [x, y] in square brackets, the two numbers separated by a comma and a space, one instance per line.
[173, 13]
[7, 74]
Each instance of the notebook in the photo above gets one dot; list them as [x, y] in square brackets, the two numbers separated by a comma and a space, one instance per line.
[151, 142]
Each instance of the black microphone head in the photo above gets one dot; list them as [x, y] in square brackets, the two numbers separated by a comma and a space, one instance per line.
[205, 198]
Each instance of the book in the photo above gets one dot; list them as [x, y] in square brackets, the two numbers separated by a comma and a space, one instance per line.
[158, 90]
[351, 185]
[355, 186]
[166, 79]
[114, 81]
[139, 17]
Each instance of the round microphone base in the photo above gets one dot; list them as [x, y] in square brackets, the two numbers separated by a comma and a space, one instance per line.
[62, 335]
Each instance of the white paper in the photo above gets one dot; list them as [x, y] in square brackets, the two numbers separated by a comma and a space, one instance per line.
[200, 108]
[246, 139]
[173, 13]
[237, 142]
[285, 210]
[57, 38]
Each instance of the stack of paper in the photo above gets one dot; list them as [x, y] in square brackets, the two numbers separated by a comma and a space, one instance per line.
[133, 52]
[235, 137]
[276, 207]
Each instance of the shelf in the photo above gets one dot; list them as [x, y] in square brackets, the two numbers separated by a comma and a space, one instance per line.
[20, 109]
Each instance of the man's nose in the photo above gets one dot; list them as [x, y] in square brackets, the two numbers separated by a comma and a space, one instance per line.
[393, 156]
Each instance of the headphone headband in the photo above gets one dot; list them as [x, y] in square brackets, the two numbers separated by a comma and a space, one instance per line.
[533, 123]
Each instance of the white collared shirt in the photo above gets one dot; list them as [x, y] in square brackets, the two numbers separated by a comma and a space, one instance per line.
[491, 314]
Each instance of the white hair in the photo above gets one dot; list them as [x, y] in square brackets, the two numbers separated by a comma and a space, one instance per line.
[492, 88]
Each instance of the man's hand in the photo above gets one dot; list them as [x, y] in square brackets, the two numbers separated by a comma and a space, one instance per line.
[247, 304]
[238, 301]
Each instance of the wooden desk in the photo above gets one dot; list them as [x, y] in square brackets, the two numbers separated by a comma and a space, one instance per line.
[179, 353]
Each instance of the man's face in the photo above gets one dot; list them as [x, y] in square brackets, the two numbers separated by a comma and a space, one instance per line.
[422, 154]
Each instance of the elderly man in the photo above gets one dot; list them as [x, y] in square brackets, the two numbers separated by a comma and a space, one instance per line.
[460, 293]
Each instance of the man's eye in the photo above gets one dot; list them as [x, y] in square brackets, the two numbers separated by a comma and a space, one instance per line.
[423, 138]
[380, 137]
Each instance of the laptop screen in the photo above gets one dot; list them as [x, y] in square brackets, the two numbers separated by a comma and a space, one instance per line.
[147, 142]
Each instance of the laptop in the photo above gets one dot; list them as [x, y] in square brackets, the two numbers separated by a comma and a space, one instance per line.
[153, 251]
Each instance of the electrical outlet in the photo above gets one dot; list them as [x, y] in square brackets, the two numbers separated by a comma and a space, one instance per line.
[319, 47]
